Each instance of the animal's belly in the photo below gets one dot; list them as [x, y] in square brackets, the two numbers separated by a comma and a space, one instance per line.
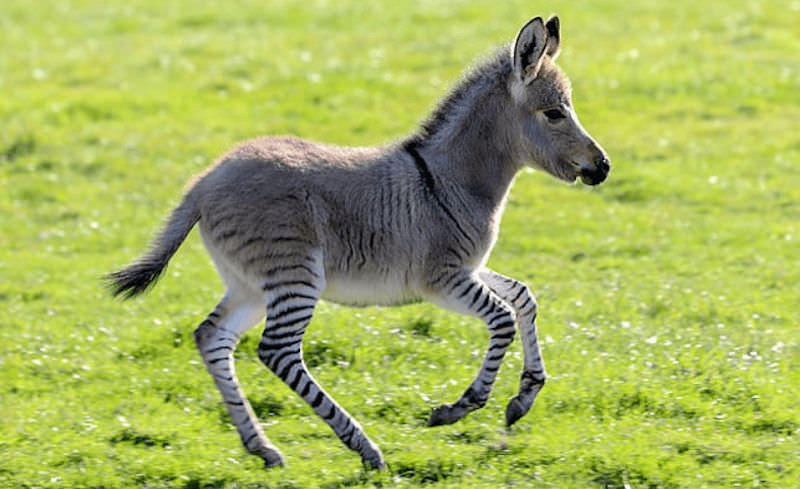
[369, 291]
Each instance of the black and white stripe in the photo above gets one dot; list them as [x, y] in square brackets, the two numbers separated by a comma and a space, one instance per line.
[533, 374]
[216, 339]
[289, 311]
[469, 293]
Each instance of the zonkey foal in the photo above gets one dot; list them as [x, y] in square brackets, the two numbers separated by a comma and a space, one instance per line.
[288, 221]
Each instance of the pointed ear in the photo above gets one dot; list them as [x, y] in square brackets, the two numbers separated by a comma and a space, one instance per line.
[553, 37]
[528, 50]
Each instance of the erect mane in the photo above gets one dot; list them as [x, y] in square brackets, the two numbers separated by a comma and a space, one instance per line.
[486, 73]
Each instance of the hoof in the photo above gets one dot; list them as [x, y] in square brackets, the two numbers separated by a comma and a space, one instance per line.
[520, 404]
[274, 463]
[443, 415]
[271, 457]
[374, 463]
[373, 460]
[514, 411]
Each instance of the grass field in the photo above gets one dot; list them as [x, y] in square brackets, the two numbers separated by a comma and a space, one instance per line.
[668, 296]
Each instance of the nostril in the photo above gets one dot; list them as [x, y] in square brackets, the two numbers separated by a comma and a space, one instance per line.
[603, 163]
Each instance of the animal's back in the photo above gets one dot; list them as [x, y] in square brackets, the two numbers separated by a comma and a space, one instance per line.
[271, 198]
[273, 167]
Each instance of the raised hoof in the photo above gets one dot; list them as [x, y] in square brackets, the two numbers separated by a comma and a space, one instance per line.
[520, 404]
[515, 410]
[442, 415]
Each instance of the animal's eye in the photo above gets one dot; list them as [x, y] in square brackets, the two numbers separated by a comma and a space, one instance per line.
[554, 114]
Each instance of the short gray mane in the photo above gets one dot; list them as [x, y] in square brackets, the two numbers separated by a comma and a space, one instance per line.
[488, 73]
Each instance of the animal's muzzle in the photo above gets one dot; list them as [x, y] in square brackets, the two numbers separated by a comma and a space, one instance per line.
[596, 174]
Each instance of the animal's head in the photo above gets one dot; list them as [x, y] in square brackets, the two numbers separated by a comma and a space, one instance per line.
[552, 138]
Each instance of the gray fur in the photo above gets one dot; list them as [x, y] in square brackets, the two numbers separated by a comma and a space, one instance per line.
[288, 221]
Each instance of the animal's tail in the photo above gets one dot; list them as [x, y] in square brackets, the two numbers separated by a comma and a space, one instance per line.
[137, 277]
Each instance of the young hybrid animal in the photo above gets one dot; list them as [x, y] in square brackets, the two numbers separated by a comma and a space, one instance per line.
[288, 221]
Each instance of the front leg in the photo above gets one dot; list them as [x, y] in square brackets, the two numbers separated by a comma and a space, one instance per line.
[533, 375]
[465, 292]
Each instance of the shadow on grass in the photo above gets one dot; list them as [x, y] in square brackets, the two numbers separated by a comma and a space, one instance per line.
[421, 472]
[129, 435]
[19, 147]
[618, 405]
[199, 483]
[609, 474]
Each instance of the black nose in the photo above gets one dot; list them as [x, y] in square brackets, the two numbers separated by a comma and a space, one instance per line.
[598, 174]
[602, 163]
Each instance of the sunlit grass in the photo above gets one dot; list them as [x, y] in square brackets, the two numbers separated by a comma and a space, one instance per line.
[668, 298]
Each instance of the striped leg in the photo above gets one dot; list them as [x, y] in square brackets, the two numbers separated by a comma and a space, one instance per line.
[533, 374]
[290, 305]
[216, 338]
[467, 293]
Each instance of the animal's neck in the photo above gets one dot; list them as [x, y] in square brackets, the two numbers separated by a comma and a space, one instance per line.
[480, 159]
[468, 141]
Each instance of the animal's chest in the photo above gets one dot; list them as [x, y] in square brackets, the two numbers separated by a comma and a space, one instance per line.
[385, 290]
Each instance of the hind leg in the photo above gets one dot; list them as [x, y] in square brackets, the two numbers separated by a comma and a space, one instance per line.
[216, 338]
[292, 293]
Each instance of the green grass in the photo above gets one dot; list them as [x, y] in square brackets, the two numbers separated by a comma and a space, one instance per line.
[668, 296]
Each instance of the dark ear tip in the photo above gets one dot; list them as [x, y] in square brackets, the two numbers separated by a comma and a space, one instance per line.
[534, 20]
[553, 26]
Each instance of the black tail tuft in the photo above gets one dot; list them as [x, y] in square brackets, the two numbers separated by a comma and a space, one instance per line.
[135, 279]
